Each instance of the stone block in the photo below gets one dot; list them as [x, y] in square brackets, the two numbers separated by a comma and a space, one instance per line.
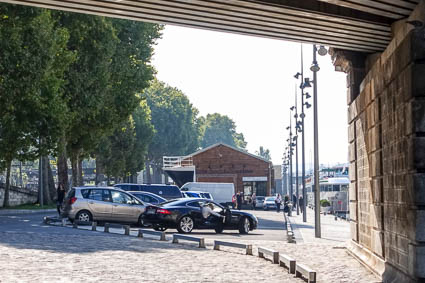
[420, 226]
[417, 45]
[418, 81]
[352, 171]
[353, 230]
[376, 216]
[417, 187]
[416, 261]
[351, 132]
[353, 211]
[352, 191]
[418, 152]
[353, 111]
[376, 165]
[351, 152]
[377, 190]
[418, 109]
[378, 242]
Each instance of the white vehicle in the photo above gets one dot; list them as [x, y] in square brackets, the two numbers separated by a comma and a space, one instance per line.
[221, 192]
[197, 194]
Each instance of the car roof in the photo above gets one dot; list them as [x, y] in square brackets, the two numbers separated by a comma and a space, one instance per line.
[95, 187]
[145, 193]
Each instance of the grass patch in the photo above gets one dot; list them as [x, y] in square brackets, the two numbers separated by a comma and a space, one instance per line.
[31, 206]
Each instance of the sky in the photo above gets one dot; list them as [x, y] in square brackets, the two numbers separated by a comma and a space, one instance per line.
[251, 80]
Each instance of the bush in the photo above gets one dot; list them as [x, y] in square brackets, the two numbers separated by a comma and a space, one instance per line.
[324, 203]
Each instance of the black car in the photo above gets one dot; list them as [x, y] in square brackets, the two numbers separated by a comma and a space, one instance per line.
[187, 214]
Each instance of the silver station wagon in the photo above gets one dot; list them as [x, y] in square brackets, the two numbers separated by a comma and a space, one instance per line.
[103, 204]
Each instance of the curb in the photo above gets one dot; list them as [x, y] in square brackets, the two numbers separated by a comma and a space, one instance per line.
[12, 212]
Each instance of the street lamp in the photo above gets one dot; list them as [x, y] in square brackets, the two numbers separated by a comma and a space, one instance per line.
[307, 83]
[295, 139]
[304, 83]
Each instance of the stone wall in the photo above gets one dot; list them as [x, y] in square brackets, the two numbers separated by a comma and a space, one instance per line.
[387, 156]
[18, 196]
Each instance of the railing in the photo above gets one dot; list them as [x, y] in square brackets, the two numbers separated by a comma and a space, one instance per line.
[177, 161]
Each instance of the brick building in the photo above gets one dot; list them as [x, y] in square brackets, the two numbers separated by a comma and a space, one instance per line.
[221, 163]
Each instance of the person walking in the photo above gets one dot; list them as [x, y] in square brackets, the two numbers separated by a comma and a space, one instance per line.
[239, 201]
[278, 202]
[254, 200]
[286, 204]
[61, 195]
[294, 201]
[234, 201]
[301, 204]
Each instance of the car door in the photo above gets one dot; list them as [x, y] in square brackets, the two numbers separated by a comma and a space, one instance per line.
[195, 212]
[99, 203]
[124, 208]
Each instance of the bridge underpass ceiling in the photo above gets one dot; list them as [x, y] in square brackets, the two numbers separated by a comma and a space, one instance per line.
[360, 25]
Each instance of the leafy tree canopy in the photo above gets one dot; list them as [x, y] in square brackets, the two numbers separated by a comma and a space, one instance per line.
[175, 122]
[264, 153]
[220, 128]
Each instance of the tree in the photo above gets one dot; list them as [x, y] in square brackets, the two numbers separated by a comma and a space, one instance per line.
[220, 128]
[112, 67]
[32, 63]
[123, 153]
[175, 122]
[264, 153]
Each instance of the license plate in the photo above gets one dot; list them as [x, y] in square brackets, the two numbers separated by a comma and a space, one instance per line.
[150, 211]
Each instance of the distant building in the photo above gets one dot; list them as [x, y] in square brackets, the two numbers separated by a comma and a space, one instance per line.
[221, 163]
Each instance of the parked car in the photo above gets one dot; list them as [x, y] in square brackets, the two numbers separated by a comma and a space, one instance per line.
[269, 203]
[148, 197]
[192, 194]
[259, 202]
[186, 214]
[220, 192]
[103, 204]
[166, 191]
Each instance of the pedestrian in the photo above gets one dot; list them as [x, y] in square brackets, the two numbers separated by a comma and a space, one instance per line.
[234, 201]
[278, 202]
[239, 201]
[301, 204]
[286, 204]
[294, 201]
[61, 195]
[254, 201]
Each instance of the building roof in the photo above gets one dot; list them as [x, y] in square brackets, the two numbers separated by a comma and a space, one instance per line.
[231, 147]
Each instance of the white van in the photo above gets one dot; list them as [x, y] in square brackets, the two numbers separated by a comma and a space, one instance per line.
[221, 192]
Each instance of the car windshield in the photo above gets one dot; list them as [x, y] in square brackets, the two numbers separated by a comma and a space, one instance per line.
[270, 199]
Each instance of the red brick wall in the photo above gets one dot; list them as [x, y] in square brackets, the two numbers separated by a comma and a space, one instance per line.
[222, 164]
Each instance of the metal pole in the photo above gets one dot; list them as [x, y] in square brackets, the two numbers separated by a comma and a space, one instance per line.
[316, 153]
[290, 166]
[302, 141]
[296, 154]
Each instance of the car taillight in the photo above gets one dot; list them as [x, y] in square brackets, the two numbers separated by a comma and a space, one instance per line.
[163, 211]
[72, 200]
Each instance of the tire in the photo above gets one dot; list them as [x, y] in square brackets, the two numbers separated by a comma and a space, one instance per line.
[140, 222]
[186, 224]
[244, 226]
[84, 216]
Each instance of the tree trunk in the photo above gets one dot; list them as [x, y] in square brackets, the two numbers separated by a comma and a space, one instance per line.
[7, 187]
[100, 176]
[63, 164]
[148, 173]
[74, 164]
[46, 193]
[51, 182]
[80, 172]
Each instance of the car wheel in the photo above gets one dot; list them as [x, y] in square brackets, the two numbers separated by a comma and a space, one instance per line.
[186, 224]
[244, 226]
[219, 229]
[84, 216]
[159, 228]
[141, 223]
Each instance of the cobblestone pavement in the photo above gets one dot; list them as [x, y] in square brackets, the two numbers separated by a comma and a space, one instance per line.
[32, 252]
